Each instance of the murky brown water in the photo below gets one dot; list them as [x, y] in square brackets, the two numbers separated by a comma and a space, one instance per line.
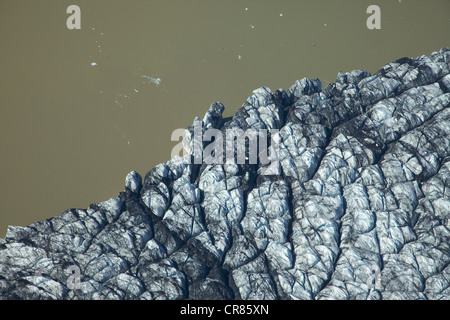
[71, 131]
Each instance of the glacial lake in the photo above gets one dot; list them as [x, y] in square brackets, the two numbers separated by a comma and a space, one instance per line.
[80, 108]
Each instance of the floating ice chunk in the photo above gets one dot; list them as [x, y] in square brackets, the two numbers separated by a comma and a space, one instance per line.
[156, 81]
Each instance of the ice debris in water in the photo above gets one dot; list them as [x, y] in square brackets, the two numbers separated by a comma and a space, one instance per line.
[151, 79]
